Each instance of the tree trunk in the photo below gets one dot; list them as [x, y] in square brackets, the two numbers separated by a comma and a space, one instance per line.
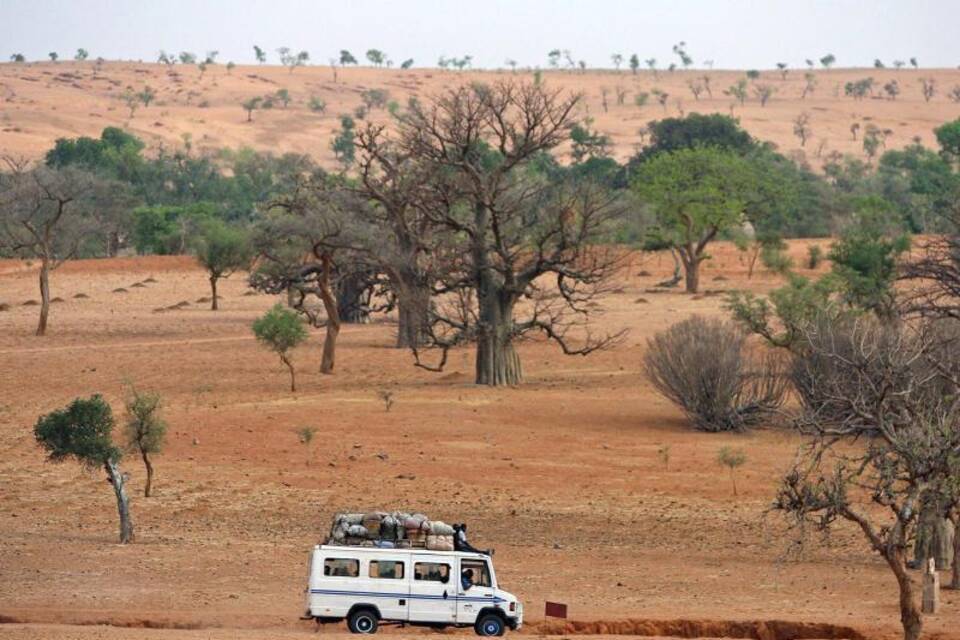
[123, 503]
[213, 293]
[44, 297]
[146, 463]
[691, 267]
[333, 317]
[497, 361]
[293, 375]
[910, 616]
[350, 303]
[413, 305]
[955, 579]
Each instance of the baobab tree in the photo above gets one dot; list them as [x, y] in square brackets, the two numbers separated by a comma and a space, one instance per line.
[45, 214]
[405, 249]
[507, 229]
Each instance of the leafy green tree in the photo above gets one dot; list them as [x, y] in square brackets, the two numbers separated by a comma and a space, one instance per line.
[406, 64]
[343, 143]
[753, 74]
[914, 63]
[54, 56]
[784, 70]
[865, 257]
[948, 137]
[697, 194]
[376, 57]
[588, 144]
[712, 130]
[346, 58]
[828, 60]
[81, 55]
[83, 431]
[221, 250]
[187, 57]
[250, 105]
[634, 63]
[144, 429]
[281, 330]
[18, 57]
[283, 95]
[260, 54]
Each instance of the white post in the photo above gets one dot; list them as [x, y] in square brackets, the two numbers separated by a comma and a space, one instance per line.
[931, 588]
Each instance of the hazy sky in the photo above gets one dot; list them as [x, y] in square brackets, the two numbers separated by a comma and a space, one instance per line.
[732, 33]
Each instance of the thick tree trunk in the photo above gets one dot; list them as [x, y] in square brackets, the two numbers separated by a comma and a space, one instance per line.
[123, 503]
[910, 616]
[691, 269]
[413, 305]
[497, 361]
[213, 293]
[350, 302]
[44, 297]
[146, 463]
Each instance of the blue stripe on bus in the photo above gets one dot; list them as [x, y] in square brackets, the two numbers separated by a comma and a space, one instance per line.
[414, 596]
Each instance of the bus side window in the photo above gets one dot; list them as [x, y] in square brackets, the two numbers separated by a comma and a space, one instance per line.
[341, 567]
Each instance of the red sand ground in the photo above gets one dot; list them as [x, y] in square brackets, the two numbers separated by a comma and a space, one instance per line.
[561, 475]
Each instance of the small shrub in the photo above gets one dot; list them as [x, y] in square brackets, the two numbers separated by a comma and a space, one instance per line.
[814, 256]
[704, 367]
[775, 259]
[316, 105]
[732, 459]
[387, 397]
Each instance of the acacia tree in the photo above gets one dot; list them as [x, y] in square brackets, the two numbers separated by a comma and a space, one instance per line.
[83, 431]
[882, 385]
[45, 214]
[478, 143]
[221, 250]
[281, 330]
[697, 194]
[145, 429]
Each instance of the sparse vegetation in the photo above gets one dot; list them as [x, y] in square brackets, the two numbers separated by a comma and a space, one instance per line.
[84, 431]
[281, 330]
[705, 367]
[144, 430]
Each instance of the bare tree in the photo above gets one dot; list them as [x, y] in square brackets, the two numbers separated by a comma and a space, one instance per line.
[801, 127]
[45, 214]
[393, 181]
[512, 228]
[874, 383]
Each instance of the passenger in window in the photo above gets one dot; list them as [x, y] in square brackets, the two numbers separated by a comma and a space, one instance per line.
[466, 579]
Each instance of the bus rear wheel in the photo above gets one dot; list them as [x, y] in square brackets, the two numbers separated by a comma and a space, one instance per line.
[363, 621]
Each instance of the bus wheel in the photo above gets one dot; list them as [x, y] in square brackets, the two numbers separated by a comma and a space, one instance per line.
[489, 625]
[363, 621]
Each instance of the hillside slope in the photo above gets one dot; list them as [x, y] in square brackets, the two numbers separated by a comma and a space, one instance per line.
[40, 102]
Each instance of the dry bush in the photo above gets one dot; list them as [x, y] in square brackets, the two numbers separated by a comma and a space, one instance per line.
[707, 368]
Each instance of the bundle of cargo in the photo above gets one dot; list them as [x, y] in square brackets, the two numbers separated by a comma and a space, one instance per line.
[397, 529]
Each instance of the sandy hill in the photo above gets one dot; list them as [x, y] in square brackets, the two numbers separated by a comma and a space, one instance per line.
[40, 102]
